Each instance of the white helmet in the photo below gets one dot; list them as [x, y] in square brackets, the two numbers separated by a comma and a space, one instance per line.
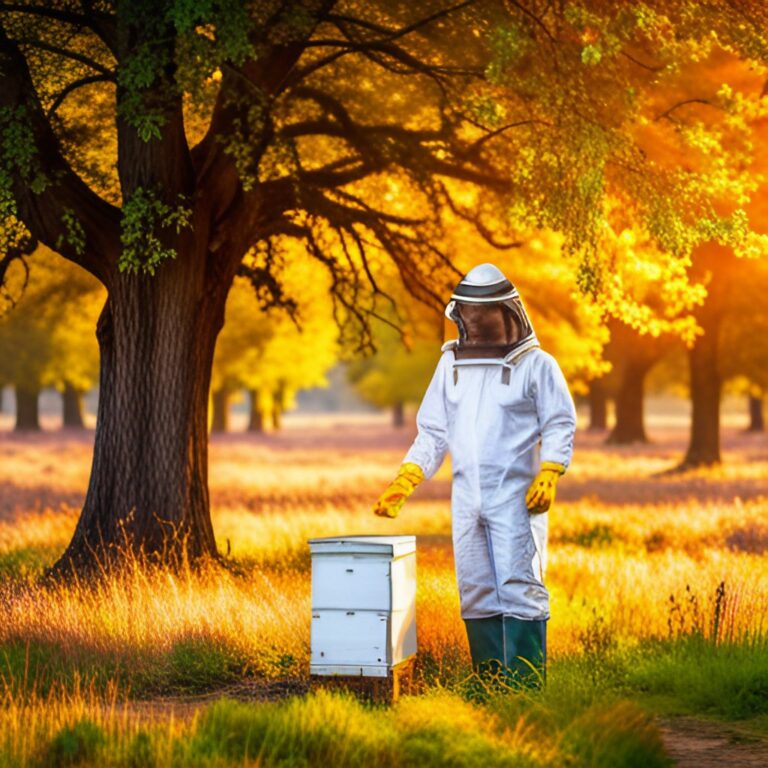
[487, 284]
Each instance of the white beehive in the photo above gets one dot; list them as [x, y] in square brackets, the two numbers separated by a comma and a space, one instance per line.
[363, 604]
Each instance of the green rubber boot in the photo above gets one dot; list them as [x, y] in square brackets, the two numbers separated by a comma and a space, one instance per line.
[508, 650]
[486, 645]
[526, 651]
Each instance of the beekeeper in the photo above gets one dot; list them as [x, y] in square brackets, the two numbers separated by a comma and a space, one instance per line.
[501, 406]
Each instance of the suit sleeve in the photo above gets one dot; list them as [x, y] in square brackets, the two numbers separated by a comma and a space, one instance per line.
[556, 411]
[431, 444]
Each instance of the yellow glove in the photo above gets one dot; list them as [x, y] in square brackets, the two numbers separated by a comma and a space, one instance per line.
[541, 494]
[391, 501]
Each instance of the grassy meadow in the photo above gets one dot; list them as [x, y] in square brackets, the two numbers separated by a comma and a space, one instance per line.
[659, 599]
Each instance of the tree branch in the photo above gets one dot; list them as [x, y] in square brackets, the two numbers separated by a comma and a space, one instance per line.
[16, 253]
[392, 34]
[102, 24]
[73, 86]
[60, 200]
[667, 112]
[377, 52]
[87, 60]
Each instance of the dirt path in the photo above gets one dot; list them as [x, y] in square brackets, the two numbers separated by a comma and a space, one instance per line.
[696, 743]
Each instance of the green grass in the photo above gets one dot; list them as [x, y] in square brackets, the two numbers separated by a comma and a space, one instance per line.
[596, 710]
[728, 680]
[190, 666]
[439, 729]
[27, 563]
[40, 668]
[687, 675]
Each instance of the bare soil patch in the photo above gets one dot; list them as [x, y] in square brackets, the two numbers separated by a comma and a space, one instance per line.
[694, 743]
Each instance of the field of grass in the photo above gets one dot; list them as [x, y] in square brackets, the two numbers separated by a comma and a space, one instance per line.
[659, 600]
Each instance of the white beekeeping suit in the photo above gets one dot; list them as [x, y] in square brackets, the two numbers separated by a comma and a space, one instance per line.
[502, 408]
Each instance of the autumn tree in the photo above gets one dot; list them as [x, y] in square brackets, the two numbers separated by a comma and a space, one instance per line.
[74, 365]
[26, 349]
[274, 354]
[632, 355]
[46, 337]
[743, 342]
[236, 125]
[397, 375]
[635, 348]
[705, 94]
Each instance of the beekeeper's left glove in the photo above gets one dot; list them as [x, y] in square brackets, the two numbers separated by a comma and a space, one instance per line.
[541, 493]
[391, 501]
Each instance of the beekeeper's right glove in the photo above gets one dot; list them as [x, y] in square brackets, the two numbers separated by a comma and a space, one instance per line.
[391, 501]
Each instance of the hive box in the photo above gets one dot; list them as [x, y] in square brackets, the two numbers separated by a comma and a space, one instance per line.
[363, 604]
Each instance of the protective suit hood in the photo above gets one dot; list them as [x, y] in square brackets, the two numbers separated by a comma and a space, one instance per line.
[482, 334]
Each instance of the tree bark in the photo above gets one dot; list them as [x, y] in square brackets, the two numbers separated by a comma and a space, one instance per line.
[704, 445]
[398, 415]
[72, 401]
[256, 421]
[630, 424]
[220, 422]
[27, 409]
[148, 492]
[598, 406]
[756, 415]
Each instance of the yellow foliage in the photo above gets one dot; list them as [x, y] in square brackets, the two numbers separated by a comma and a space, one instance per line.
[48, 338]
[268, 351]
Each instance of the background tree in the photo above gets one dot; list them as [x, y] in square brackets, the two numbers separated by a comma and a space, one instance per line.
[26, 349]
[756, 398]
[276, 353]
[46, 338]
[234, 125]
[632, 355]
[74, 366]
[401, 368]
[744, 338]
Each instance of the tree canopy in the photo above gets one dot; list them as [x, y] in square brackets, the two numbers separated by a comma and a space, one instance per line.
[310, 119]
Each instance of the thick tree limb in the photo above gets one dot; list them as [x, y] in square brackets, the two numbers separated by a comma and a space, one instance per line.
[258, 81]
[103, 24]
[63, 195]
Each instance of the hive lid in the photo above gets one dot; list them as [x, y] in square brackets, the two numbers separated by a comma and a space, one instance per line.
[394, 546]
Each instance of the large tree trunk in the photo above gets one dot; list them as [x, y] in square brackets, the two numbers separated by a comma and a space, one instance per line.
[398, 415]
[630, 425]
[220, 421]
[756, 415]
[598, 406]
[704, 445]
[72, 401]
[148, 492]
[27, 410]
[256, 420]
